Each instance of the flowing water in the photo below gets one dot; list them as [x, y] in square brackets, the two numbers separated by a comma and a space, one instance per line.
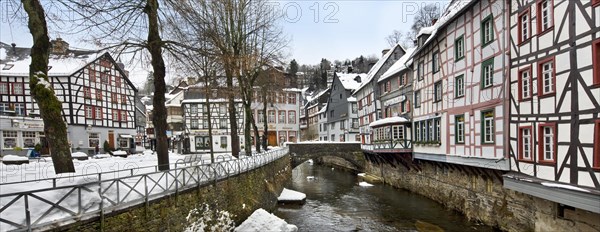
[335, 202]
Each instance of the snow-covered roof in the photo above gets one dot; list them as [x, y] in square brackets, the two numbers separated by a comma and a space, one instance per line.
[292, 90]
[348, 80]
[395, 119]
[202, 100]
[454, 8]
[319, 94]
[351, 99]
[399, 66]
[323, 109]
[59, 65]
[371, 74]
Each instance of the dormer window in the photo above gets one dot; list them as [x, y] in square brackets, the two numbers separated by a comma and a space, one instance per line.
[8, 66]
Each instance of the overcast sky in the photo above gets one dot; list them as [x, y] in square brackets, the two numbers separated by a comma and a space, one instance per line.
[317, 29]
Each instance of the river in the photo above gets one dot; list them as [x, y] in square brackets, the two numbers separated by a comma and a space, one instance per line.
[335, 202]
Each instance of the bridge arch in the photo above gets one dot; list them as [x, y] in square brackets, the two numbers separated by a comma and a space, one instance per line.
[350, 152]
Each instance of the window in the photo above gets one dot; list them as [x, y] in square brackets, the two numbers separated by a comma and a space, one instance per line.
[437, 91]
[525, 143]
[331, 114]
[115, 115]
[98, 95]
[369, 99]
[435, 61]
[4, 107]
[546, 77]
[459, 129]
[459, 48]
[114, 97]
[291, 98]
[193, 109]
[487, 127]
[417, 98]
[487, 73]
[547, 142]
[88, 112]
[544, 16]
[282, 116]
[261, 115]
[596, 59]
[524, 26]
[87, 92]
[17, 88]
[332, 137]
[271, 117]
[20, 109]
[597, 144]
[223, 110]
[92, 74]
[94, 139]
[123, 99]
[205, 124]
[417, 131]
[487, 30]
[223, 123]
[421, 70]
[10, 139]
[194, 123]
[342, 125]
[525, 89]
[292, 117]
[118, 81]
[354, 108]
[3, 88]
[438, 129]
[98, 112]
[28, 139]
[459, 86]
[424, 136]
[355, 123]
[223, 141]
[123, 116]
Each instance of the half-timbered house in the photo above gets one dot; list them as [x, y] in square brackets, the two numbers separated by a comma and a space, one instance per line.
[367, 94]
[460, 86]
[98, 100]
[555, 102]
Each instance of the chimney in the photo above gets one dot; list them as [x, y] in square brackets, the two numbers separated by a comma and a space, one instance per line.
[59, 46]
[433, 21]
[384, 51]
[14, 48]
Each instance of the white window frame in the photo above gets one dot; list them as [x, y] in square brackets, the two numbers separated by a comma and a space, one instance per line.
[526, 84]
[460, 129]
[9, 135]
[546, 15]
[547, 77]
[488, 129]
[526, 143]
[548, 140]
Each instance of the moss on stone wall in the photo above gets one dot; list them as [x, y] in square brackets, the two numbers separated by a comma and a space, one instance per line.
[239, 195]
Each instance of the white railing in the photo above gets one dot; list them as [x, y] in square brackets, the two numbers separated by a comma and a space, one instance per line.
[94, 197]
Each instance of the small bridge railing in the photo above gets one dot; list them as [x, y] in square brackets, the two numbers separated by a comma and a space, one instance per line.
[91, 196]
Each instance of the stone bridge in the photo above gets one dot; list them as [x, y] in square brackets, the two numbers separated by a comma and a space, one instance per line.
[345, 154]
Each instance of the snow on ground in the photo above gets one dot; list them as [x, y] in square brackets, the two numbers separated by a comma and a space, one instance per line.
[14, 158]
[291, 195]
[364, 184]
[262, 220]
[119, 153]
[79, 155]
[361, 174]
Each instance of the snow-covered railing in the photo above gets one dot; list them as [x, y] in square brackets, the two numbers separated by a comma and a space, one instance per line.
[92, 196]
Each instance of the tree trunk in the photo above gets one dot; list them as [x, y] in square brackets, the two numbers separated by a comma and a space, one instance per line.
[209, 118]
[233, 126]
[55, 127]
[265, 122]
[256, 136]
[247, 102]
[159, 114]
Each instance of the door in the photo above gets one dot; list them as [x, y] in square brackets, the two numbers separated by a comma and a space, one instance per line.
[111, 139]
[272, 138]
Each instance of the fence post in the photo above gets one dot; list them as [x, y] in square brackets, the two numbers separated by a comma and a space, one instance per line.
[27, 215]
[146, 195]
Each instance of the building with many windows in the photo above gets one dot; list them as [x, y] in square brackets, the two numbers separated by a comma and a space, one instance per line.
[555, 102]
[98, 100]
[342, 109]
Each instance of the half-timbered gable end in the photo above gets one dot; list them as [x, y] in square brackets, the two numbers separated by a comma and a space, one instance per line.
[367, 94]
[460, 86]
[98, 100]
[555, 100]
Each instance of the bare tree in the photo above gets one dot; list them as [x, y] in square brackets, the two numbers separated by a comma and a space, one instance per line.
[133, 27]
[55, 127]
[399, 37]
[425, 17]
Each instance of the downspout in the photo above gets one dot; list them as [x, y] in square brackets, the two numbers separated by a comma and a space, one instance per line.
[506, 84]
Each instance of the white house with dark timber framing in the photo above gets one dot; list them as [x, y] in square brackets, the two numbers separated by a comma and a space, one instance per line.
[460, 87]
[555, 103]
[98, 100]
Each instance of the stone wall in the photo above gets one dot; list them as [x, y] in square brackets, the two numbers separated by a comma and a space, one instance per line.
[484, 199]
[239, 195]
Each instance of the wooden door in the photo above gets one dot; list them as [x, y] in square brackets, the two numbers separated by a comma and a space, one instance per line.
[272, 138]
[111, 139]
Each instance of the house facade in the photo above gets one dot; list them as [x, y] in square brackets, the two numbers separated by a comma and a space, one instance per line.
[315, 104]
[98, 100]
[367, 94]
[460, 87]
[342, 108]
[555, 102]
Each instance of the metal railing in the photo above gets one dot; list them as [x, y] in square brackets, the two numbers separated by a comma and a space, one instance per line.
[92, 196]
